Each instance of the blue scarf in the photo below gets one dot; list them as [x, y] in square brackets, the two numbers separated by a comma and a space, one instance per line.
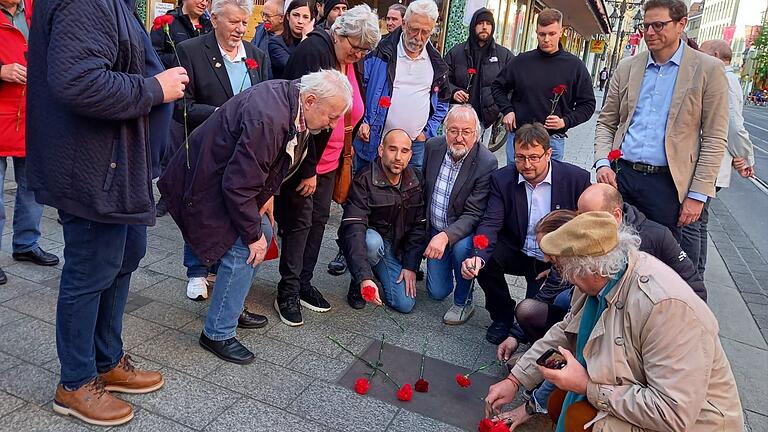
[593, 309]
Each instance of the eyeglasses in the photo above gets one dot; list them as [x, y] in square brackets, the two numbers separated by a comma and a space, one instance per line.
[532, 158]
[657, 26]
[355, 48]
[268, 16]
[412, 33]
[466, 133]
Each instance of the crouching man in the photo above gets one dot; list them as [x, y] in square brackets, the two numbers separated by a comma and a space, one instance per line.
[383, 228]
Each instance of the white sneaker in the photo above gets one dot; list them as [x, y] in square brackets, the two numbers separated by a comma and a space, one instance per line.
[197, 289]
[455, 316]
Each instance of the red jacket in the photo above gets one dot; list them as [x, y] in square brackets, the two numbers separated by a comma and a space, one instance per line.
[13, 97]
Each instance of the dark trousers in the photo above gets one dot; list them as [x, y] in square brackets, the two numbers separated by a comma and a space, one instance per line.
[321, 209]
[98, 261]
[507, 259]
[697, 232]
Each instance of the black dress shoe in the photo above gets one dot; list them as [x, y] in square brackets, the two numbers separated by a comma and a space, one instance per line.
[230, 350]
[354, 297]
[250, 320]
[161, 209]
[37, 256]
[497, 332]
[3, 277]
[338, 266]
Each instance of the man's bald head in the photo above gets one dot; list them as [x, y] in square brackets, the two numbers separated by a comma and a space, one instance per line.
[600, 197]
[718, 48]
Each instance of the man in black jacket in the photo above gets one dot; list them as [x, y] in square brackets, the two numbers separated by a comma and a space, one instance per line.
[456, 175]
[473, 65]
[238, 159]
[91, 102]
[383, 227]
[532, 78]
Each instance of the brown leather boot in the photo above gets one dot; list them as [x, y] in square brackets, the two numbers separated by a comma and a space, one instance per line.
[93, 404]
[125, 378]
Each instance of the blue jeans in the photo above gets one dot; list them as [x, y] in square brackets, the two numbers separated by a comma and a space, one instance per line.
[232, 284]
[387, 269]
[417, 155]
[441, 273]
[556, 142]
[541, 394]
[26, 212]
[98, 261]
[195, 268]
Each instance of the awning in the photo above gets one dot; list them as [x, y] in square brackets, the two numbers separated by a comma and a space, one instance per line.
[587, 17]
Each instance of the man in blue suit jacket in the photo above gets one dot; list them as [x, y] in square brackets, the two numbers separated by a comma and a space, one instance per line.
[521, 194]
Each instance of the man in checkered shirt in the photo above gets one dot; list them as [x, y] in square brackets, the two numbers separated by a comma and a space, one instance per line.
[456, 176]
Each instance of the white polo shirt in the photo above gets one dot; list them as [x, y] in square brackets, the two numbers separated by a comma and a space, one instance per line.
[410, 93]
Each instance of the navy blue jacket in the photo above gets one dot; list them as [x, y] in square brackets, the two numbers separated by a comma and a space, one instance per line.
[261, 39]
[507, 212]
[88, 134]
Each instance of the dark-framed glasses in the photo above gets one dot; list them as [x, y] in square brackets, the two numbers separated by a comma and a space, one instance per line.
[356, 49]
[657, 26]
[532, 158]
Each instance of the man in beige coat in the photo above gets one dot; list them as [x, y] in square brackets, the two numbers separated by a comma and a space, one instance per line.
[650, 357]
[666, 109]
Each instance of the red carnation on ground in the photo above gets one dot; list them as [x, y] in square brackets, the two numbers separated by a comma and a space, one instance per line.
[405, 393]
[480, 241]
[251, 64]
[615, 155]
[559, 89]
[385, 102]
[471, 71]
[463, 380]
[162, 21]
[485, 425]
[362, 386]
[268, 26]
[369, 293]
[421, 386]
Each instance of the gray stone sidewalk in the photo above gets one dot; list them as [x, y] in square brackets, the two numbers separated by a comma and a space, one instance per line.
[291, 385]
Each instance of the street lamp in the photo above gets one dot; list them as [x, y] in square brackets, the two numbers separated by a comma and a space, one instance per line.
[618, 19]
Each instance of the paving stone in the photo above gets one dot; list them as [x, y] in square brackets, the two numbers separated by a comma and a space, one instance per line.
[186, 400]
[30, 340]
[249, 415]
[721, 301]
[170, 266]
[261, 380]
[136, 331]
[30, 383]
[180, 351]
[32, 272]
[9, 316]
[8, 403]
[342, 409]
[31, 418]
[7, 361]
[751, 380]
[143, 278]
[167, 315]
[756, 422]
[172, 291]
[135, 302]
[320, 366]
[406, 421]
[145, 421]
[755, 298]
[161, 242]
[17, 287]
[40, 304]
[153, 255]
[314, 338]
[271, 350]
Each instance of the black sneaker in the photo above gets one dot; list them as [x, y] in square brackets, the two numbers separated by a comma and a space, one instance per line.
[3, 277]
[313, 300]
[338, 266]
[354, 297]
[497, 332]
[161, 209]
[289, 311]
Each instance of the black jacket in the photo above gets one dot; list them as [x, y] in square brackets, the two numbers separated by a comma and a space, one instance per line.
[238, 161]
[397, 213]
[91, 95]
[209, 86]
[181, 29]
[460, 59]
[531, 76]
[469, 194]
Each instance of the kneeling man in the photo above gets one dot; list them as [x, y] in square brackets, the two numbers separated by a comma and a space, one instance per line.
[382, 230]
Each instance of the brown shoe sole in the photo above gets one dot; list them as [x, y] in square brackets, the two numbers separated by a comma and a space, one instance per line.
[121, 389]
[63, 410]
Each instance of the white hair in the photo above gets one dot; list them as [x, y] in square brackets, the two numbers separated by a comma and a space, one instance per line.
[422, 7]
[607, 265]
[326, 84]
[359, 22]
[218, 5]
[463, 111]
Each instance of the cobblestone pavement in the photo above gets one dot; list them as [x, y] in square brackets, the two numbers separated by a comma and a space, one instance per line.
[291, 384]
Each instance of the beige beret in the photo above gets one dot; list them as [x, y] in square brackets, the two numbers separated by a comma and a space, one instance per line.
[588, 234]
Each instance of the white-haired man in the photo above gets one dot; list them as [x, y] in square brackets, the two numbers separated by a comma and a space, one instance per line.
[238, 159]
[457, 175]
[639, 349]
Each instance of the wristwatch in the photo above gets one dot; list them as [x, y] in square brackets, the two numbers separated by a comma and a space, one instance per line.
[530, 407]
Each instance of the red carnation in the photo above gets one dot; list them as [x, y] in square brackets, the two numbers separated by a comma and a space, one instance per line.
[405, 393]
[251, 64]
[272, 250]
[615, 155]
[362, 386]
[471, 71]
[369, 293]
[463, 380]
[500, 426]
[162, 21]
[421, 386]
[485, 425]
[559, 89]
[268, 26]
[198, 27]
[480, 241]
[385, 102]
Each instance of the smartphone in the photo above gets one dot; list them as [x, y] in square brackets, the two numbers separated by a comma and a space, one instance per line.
[552, 359]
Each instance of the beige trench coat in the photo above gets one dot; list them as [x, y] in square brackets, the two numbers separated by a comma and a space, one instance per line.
[654, 358]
